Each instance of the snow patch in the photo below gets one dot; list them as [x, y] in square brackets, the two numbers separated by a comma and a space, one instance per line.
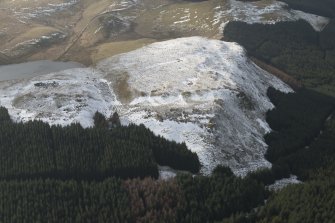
[280, 184]
[317, 22]
[268, 12]
[41, 11]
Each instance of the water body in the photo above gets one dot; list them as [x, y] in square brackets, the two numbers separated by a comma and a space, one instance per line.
[32, 69]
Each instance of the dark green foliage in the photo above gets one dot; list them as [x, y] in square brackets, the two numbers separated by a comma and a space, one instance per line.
[266, 176]
[34, 149]
[257, 38]
[63, 201]
[115, 120]
[319, 7]
[4, 116]
[320, 154]
[296, 120]
[173, 154]
[219, 196]
[185, 199]
[327, 37]
[309, 203]
[100, 120]
[95, 153]
[238, 218]
[176, 156]
[294, 47]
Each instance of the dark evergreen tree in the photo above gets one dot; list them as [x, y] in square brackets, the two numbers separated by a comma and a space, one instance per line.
[115, 120]
[100, 120]
[34, 149]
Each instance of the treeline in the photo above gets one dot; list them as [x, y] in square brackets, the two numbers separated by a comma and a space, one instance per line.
[221, 197]
[297, 120]
[184, 199]
[303, 141]
[175, 155]
[294, 47]
[320, 7]
[318, 155]
[309, 202]
[35, 149]
[211, 199]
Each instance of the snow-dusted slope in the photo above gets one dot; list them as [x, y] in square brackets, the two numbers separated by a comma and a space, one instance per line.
[280, 184]
[64, 97]
[40, 9]
[269, 11]
[202, 92]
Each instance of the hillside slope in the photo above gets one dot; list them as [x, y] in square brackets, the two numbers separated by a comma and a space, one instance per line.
[204, 92]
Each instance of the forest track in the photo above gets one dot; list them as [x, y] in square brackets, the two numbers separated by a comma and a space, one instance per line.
[80, 34]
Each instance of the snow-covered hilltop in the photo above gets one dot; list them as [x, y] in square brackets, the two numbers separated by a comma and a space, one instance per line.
[204, 92]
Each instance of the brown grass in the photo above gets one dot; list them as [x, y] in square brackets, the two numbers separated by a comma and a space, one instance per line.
[286, 78]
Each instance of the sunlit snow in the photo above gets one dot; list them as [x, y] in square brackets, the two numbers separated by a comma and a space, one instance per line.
[202, 92]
